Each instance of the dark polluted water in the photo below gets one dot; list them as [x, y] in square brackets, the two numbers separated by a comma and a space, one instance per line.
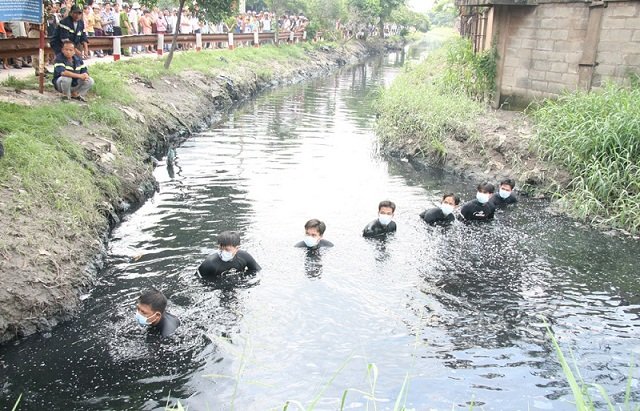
[456, 311]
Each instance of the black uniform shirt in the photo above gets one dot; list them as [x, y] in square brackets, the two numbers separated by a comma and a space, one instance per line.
[476, 211]
[167, 324]
[435, 216]
[501, 202]
[213, 265]
[375, 228]
[321, 243]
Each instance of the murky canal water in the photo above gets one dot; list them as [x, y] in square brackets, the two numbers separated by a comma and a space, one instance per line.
[457, 309]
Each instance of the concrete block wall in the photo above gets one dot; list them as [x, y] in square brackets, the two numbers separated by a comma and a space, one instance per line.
[543, 46]
[619, 46]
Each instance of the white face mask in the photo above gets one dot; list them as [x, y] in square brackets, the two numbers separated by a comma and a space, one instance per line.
[384, 219]
[310, 241]
[446, 208]
[504, 193]
[482, 197]
[142, 320]
[226, 255]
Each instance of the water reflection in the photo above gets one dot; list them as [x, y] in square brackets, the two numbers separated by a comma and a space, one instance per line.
[456, 308]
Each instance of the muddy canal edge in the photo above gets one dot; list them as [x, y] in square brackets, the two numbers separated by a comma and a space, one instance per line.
[45, 274]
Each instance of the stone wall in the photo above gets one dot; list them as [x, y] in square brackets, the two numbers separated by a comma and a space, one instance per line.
[619, 46]
[551, 47]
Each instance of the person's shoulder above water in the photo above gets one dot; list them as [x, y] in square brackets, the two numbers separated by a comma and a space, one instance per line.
[443, 214]
[313, 231]
[321, 243]
[168, 324]
[383, 224]
[481, 208]
[228, 257]
[151, 313]
[505, 194]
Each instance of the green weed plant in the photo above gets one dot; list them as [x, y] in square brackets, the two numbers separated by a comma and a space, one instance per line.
[596, 137]
[420, 111]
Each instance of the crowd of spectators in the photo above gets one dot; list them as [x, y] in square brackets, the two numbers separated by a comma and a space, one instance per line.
[119, 18]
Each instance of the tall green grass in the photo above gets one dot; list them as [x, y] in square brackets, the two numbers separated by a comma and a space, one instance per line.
[596, 137]
[473, 74]
[584, 399]
[420, 111]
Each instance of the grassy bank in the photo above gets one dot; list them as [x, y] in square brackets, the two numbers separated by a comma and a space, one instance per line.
[43, 166]
[432, 102]
[596, 136]
[584, 150]
[421, 109]
[69, 168]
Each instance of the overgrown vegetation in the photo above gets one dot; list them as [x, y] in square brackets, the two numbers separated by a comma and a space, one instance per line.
[429, 103]
[473, 74]
[596, 137]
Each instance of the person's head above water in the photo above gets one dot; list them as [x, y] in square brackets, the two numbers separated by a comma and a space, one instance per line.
[449, 202]
[386, 209]
[228, 244]
[313, 231]
[150, 307]
[485, 190]
[506, 187]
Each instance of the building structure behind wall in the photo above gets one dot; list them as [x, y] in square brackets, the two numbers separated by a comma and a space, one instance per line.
[548, 47]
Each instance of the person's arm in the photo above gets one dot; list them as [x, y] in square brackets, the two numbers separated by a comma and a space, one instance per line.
[465, 211]
[64, 32]
[368, 230]
[252, 265]
[208, 268]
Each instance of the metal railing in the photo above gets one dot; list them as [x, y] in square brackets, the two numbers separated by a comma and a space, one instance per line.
[22, 46]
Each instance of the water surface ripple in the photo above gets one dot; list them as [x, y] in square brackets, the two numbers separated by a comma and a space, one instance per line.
[456, 309]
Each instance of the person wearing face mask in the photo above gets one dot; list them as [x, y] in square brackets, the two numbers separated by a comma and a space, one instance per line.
[480, 209]
[228, 257]
[383, 224]
[313, 231]
[150, 313]
[443, 214]
[505, 194]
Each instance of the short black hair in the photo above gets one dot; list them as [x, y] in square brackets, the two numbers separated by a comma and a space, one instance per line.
[153, 298]
[510, 182]
[229, 238]
[486, 187]
[317, 224]
[387, 203]
[456, 199]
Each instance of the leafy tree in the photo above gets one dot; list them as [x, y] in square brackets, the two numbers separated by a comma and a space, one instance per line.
[443, 13]
[409, 18]
[375, 11]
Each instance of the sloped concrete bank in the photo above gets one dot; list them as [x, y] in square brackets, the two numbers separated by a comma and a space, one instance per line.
[44, 272]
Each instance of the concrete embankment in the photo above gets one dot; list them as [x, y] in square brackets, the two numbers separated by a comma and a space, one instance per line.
[50, 255]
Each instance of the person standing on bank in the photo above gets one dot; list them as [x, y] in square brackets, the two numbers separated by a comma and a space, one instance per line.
[383, 224]
[70, 74]
[480, 209]
[313, 231]
[151, 313]
[228, 257]
[505, 194]
[71, 29]
[443, 214]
